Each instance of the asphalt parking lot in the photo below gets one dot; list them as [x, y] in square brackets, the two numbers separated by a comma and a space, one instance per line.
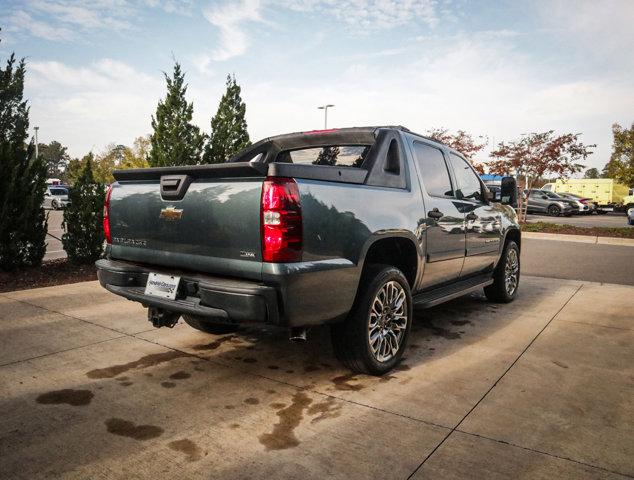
[540, 388]
[54, 248]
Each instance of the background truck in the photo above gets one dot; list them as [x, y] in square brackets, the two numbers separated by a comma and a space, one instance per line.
[605, 192]
[351, 227]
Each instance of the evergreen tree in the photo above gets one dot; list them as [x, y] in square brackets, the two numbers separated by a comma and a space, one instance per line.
[229, 133]
[83, 218]
[175, 141]
[22, 179]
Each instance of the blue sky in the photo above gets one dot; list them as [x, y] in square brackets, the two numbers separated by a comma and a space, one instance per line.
[498, 69]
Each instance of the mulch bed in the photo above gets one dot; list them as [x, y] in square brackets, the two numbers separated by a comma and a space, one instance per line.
[52, 272]
[545, 227]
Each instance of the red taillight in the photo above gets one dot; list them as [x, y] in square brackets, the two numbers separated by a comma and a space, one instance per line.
[106, 215]
[281, 217]
[585, 200]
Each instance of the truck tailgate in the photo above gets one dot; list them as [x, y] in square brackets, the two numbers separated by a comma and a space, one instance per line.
[214, 228]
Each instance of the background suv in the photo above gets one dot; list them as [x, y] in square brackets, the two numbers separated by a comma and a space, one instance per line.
[541, 201]
[56, 197]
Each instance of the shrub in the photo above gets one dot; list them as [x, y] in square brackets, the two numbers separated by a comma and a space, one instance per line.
[83, 218]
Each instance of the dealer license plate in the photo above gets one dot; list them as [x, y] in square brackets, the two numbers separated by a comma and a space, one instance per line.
[164, 286]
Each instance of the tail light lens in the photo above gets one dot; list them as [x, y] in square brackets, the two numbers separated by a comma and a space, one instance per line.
[106, 215]
[281, 220]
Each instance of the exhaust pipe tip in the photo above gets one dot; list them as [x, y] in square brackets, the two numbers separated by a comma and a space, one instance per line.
[298, 334]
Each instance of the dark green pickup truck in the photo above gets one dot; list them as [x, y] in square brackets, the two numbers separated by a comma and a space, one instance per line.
[352, 227]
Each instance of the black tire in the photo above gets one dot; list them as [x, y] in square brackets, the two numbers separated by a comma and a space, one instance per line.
[497, 291]
[554, 210]
[630, 222]
[54, 205]
[208, 325]
[351, 338]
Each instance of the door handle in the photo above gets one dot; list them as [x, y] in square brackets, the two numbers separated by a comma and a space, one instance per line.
[435, 213]
[471, 216]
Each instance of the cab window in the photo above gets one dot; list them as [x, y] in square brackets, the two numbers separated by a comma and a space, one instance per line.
[468, 184]
[433, 170]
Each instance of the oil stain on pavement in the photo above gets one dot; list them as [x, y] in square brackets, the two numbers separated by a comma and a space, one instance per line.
[75, 398]
[125, 428]
[143, 362]
[283, 434]
[187, 447]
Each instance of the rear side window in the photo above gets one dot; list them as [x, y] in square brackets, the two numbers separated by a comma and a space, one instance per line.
[333, 156]
[433, 170]
[468, 182]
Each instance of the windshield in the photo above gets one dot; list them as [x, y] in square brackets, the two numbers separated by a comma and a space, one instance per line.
[550, 194]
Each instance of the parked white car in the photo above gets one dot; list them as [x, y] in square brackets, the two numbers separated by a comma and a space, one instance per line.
[56, 197]
[630, 216]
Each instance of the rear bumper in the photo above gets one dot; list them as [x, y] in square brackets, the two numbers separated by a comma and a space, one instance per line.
[224, 299]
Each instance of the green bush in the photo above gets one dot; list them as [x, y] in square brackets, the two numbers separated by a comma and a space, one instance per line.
[83, 218]
[22, 177]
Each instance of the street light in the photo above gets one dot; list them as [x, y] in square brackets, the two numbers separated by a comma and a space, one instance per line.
[36, 147]
[325, 109]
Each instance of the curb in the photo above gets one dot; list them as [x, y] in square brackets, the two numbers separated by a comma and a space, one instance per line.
[561, 237]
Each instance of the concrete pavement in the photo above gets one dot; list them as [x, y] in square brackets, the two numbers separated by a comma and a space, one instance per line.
[540, 388]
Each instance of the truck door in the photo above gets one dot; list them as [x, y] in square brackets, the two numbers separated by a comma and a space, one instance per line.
[441, 217]
[482, 219]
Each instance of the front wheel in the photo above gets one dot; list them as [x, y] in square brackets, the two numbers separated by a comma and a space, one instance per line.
[374, 336]
[506, 277]
[554, 210]
[55, 205]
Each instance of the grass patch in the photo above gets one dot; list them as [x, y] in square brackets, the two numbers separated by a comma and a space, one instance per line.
[52, 272]
[545, 227]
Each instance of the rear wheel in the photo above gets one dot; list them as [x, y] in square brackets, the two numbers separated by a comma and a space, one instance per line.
[554, 210]
[374, 336]
[208, 326]
[55, 205]
[506, 277]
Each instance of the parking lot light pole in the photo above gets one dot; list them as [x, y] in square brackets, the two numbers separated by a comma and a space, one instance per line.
[325, 109]
[36, 147]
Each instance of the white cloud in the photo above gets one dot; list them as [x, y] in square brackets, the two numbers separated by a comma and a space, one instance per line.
[604, 29]
[89, 107]
[21, 20]
[229, 19]
[363, 15]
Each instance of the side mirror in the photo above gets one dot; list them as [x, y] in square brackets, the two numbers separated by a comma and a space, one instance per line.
[508, 191]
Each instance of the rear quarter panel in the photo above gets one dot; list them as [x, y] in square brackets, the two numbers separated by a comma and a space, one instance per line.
[340, 223]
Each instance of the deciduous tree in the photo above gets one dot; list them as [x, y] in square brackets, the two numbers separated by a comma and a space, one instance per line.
[23, 176]
[539, 154]
[55, 156]
[462, 142]
[175, 140]
[621, 164]
[228, 127]
[591, 173]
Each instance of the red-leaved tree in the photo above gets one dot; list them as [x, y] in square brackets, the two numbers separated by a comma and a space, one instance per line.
[537, 155]
[461, 141]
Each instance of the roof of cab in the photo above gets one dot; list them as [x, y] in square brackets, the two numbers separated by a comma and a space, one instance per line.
[320, 138]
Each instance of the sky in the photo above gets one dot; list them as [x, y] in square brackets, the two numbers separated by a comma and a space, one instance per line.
[498, 69]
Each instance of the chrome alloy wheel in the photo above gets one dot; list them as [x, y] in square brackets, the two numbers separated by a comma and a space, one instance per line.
[511, 271]
[387, 321]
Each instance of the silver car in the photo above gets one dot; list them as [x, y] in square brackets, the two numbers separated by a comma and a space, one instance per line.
[56, 197]
[586, 205]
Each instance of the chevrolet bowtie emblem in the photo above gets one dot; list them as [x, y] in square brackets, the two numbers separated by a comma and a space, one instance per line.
[171, 213]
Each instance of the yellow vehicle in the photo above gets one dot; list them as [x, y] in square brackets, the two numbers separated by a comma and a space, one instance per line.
[605, 192]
